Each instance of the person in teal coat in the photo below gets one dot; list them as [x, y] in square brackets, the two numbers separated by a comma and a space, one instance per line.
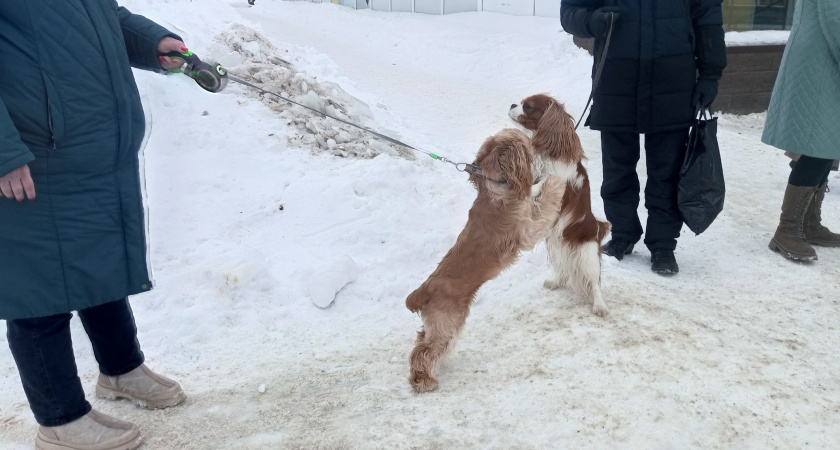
[803, 118]
[72, 227]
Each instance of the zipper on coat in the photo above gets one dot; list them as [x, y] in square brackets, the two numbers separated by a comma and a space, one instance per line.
[53, 143]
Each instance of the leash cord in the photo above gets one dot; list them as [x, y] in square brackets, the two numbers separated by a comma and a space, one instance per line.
[460, 167]
[598, 68]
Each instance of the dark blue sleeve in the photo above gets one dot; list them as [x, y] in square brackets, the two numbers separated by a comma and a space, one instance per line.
[141, 39]
[575, 14]
[710, 46]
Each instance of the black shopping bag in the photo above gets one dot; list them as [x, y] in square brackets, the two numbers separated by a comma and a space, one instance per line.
[701, 187]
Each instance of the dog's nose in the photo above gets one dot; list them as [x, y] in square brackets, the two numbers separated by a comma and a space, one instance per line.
[513, 106]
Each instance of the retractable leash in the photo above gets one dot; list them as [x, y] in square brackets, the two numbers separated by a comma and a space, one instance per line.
[212, 77]
[599, 67]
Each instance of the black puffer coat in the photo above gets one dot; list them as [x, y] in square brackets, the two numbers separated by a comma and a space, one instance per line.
[659, 49]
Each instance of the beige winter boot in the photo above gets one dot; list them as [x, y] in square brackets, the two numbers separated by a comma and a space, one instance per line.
[142, 386]
[815, 232]
[789, 239]
[93, 431]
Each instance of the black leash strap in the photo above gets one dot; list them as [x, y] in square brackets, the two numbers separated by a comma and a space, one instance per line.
[599, 67]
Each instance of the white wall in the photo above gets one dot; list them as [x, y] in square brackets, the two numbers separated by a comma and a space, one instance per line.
[547, 8]
[512, 7]
[542, 8]
[355, 4]
[456, 6]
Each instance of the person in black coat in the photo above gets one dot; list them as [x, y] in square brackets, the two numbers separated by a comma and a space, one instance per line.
[663, 63]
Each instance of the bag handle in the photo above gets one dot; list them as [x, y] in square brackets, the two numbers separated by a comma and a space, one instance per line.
[699, 112]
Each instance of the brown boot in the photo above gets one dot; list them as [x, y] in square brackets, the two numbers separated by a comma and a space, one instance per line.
[815, 232]
[789, 239]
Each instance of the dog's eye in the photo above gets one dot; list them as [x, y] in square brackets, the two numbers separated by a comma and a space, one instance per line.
[526, 107]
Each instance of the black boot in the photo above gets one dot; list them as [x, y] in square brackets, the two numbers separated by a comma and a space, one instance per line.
[663, 261]
[618, 247]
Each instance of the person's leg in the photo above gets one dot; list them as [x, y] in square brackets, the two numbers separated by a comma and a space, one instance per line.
[113, 335]
[810, 171]
[43, 351]
[798, 205]
[664, 153]
[620, 188]
[814, 172]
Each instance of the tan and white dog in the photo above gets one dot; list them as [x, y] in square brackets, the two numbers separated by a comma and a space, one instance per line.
[507, 216]
[574, 244]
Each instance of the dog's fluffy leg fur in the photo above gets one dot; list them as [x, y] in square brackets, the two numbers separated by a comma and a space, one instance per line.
[578, 267]
[590, 276]
[441, 326]
[558, 280]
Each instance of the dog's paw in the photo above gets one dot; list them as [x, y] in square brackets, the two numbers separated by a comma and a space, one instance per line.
[600, 309]
[415, 301]
[422, 382]
[552, 284]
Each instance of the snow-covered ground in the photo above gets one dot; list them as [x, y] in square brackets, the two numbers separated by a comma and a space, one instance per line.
[262, 214]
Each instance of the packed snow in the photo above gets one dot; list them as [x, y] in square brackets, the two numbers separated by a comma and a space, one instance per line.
[757, 37]
[284, 244]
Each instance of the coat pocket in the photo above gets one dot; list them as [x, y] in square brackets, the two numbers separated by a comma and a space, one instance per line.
[55, 114]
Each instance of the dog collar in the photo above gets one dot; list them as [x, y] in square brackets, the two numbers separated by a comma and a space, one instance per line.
[475, 170]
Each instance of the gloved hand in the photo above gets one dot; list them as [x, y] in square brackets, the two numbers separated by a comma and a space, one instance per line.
[599, 21]
[705, 92]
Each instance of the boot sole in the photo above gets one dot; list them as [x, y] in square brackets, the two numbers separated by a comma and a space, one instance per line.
[788, 255]
[113, 394]
[42, 444]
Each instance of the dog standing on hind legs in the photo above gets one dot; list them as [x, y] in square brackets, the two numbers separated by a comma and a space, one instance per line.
[574, 244]
[510, 213]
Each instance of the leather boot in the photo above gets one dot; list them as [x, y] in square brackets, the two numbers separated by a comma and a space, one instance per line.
[815, 232]
[93, 431]
[789, 239]
[141, 386]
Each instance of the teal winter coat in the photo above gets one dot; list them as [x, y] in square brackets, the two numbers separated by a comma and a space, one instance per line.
[70, 109]
[804, 112]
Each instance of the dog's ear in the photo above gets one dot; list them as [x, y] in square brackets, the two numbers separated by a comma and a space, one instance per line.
[515, 164]
[556, 134]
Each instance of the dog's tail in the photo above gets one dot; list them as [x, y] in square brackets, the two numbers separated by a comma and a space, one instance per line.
[603, 228]
[417, 299]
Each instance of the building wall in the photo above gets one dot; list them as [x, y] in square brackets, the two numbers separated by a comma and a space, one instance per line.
[748, 78]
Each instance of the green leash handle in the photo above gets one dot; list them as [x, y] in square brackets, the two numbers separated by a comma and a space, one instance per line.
[212, 77]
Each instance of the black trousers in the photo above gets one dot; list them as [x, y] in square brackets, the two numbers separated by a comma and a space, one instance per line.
[810, 171]
[620, 189]
[43, 352]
